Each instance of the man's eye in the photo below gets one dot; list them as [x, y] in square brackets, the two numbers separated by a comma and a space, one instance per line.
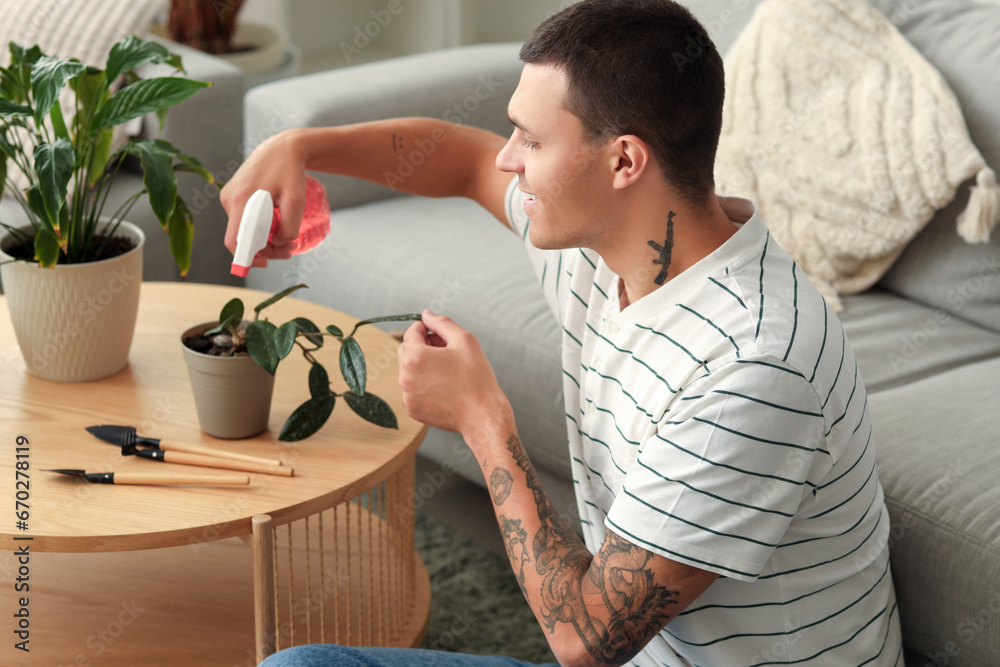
[529, 144]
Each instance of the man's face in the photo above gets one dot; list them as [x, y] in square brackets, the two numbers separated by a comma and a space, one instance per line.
[567, 177]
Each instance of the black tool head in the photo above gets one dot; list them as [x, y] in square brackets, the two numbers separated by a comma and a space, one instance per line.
[67, 471]
[128, 441]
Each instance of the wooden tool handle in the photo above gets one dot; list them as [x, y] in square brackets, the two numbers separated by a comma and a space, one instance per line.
[227, 464]
[179, 479]
[219, 453]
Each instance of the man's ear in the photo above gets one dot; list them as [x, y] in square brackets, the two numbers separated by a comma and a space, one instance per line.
[630, 159]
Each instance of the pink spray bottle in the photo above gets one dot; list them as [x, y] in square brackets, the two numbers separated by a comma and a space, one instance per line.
[261, 219]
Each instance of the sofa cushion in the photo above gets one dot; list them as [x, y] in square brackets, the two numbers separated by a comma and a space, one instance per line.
[958, 37]
[898, 341]
[847, 139]
[938, 460]
[405, 254]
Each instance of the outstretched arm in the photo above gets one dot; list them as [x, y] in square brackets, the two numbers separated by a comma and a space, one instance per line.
[598, 609]
[419, 156]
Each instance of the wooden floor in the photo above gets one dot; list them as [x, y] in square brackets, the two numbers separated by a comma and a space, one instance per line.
[178, 606]
[190, 605]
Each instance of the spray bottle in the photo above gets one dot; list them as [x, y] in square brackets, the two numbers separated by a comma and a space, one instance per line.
[261, 219]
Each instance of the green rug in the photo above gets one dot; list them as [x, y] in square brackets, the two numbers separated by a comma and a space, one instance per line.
[476, 604]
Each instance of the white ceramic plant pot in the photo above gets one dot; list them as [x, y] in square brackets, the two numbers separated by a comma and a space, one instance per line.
[74, 322]
[232, 395]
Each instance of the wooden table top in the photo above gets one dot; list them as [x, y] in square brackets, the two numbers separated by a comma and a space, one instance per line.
[344, 459]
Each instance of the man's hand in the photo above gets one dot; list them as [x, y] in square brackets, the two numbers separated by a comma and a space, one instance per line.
[279, 167]
[447, 381]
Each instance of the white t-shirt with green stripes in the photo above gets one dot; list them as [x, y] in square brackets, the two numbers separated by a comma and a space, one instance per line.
[721, 422]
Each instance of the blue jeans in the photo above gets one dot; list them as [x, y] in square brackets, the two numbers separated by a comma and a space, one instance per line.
[330, 655]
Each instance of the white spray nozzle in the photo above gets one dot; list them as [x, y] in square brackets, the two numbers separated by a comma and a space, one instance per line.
[255, 228]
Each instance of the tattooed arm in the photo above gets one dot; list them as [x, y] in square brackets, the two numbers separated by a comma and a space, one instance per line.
[597, 609]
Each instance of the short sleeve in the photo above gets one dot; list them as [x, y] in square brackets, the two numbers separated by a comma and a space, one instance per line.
[718, 483]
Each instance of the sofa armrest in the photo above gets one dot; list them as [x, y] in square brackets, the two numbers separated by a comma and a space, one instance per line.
[466, 85]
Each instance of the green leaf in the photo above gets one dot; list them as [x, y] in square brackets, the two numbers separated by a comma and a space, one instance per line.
[277, 297]
[46, 247]
[319, 381]
[54, 165]
[132, 52]
[35, 202]
[284, 339]
[335, 332]
[229, 317]
[409, 317]
[58, 122]
[308, 418]
[91, 92]
[99, 154]
[373, 409]
[191, 164]
[9, 109]
[21, 62]
[180, 229]
[3, 173]
[352, 366]
[260, 345]
[145, 97]
[309, 329]
[158, 177]
[48, 77]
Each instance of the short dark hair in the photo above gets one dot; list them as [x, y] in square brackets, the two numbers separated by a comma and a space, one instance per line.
[641, 67]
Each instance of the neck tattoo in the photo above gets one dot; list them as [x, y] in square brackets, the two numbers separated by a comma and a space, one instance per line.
[664, 251]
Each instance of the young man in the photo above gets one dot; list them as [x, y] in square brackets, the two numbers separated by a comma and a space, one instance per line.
[718, 427]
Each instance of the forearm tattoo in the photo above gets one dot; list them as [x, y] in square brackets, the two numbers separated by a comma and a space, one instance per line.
[665, 251]
[635, 607]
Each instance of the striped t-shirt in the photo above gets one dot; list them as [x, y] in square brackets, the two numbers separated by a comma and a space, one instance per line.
[721, 422]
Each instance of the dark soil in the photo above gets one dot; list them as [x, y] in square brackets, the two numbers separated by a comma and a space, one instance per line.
[99, 250]
[219, 345]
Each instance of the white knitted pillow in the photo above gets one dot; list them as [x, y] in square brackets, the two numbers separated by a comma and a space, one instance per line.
[81, 29]
[847, 139]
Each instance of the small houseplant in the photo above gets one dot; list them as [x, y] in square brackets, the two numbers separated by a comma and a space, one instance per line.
[267, 344]
[68, 164]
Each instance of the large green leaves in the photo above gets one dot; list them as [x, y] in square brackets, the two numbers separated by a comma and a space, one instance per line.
[132, 52]
[157, 164]
[54, 164]
[180, 229]
[145, 96]
[49, 76]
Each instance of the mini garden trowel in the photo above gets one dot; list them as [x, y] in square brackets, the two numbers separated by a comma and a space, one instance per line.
[154, 479]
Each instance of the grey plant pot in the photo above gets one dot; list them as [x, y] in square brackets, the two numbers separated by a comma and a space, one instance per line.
[232, 395]
[74, 322]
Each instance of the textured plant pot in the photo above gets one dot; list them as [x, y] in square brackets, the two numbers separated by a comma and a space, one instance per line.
[74, 322]
[231, 394]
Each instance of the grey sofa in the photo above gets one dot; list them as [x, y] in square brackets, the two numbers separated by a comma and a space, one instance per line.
[927, 336]
[208, 126]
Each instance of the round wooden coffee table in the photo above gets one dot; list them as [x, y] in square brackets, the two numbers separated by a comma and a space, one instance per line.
[352, 489]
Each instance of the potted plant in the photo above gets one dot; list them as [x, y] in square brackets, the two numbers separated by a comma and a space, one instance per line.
[72, 274]
[260, 51]
[228, 357]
